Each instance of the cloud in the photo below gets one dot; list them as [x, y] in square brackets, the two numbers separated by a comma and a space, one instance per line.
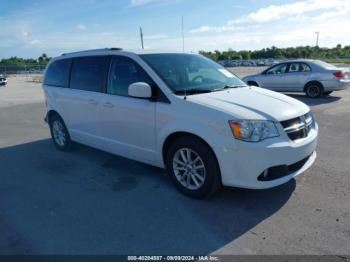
[292, 24]
[81, 27]
[34, 41]
[282, 12]
[277, 12]
[216, 29]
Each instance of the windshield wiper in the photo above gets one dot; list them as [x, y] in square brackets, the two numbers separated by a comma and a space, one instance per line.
[228, 87]
[192, 91]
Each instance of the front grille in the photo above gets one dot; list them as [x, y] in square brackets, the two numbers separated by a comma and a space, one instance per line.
[298, 127]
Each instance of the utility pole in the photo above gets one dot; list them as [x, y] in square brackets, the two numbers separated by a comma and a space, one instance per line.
[141, 35]
[317, 36]
[183, 34]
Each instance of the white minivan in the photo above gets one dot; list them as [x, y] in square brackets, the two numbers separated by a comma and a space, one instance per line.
[182, 112]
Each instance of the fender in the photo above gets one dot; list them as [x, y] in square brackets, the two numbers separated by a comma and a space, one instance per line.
[209, 132]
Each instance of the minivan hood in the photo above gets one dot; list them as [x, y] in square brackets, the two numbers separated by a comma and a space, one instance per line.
[252, 103]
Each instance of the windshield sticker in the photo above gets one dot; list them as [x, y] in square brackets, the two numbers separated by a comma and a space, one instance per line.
[226, 73]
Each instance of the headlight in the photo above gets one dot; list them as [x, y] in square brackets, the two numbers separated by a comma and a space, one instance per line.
[253, 130]
[309, 118]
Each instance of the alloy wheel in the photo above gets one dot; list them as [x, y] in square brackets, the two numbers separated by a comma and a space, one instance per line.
[59, 133]
[189, 168]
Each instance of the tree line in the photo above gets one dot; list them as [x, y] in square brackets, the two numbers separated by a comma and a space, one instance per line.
[22, 62]
[313, 52]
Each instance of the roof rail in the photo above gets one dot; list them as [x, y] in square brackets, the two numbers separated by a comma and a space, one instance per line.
[95, 50]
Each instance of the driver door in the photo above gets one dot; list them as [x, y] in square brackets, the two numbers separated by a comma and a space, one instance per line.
[274, 77]
[128, 123]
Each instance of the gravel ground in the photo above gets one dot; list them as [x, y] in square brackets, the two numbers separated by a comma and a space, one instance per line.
[91, 202]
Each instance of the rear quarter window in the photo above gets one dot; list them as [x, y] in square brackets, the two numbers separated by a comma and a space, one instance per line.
[57, 73]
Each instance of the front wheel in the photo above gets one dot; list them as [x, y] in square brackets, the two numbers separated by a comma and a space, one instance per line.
[59, 133]
[193, 167]
[252, 83]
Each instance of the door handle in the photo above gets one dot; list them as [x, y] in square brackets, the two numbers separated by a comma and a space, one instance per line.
[109, 105]
[93, 102]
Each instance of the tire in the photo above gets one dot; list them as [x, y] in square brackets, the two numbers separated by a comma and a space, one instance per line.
[199, 179]
[314, 90]
[327, 93]
[59, 133]
[252, 83]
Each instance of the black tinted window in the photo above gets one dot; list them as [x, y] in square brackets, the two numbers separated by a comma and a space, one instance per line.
[124, 72]
[89, 73]
[58, 72]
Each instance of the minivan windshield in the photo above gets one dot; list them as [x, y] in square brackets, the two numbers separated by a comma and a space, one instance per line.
[191, 74]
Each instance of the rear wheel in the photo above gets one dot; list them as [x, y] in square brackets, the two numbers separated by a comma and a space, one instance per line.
[252, 83]
[193, 167]
[314, 90]
[327, 93]
[59, 133]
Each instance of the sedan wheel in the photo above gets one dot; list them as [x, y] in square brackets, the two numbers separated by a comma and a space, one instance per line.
[314, 90]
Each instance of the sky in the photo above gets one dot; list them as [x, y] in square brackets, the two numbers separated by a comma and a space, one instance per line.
[30, 28]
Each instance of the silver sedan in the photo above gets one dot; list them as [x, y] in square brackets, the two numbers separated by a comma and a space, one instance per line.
[314, 77]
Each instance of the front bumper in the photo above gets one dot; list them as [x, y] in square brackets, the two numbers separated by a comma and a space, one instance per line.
[243, 163]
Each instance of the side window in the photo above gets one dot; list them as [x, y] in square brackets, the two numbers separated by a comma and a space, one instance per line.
[124, 72]
[278, 69]
[304, 67]
[294, 67]
[299, 67]
[89, 73]
[57, 74]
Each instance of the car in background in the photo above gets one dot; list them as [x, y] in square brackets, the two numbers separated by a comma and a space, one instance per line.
[229, 63]
[260, 63]
[233, 63]
[3, 80]
[248, 63]
[314, 77]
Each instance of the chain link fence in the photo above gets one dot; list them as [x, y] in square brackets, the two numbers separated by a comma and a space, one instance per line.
[31, 73]
[22, 70]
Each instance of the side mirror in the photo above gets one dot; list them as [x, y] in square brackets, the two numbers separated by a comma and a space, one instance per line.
[140, 90]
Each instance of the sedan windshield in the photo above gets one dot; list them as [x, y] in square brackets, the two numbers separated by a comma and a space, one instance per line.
[191, 73]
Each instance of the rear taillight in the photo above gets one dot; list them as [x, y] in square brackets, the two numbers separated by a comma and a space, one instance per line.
[338, 74]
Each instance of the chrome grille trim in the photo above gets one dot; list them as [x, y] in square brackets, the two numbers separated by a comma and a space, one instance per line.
[299, 127]
[294, 128]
